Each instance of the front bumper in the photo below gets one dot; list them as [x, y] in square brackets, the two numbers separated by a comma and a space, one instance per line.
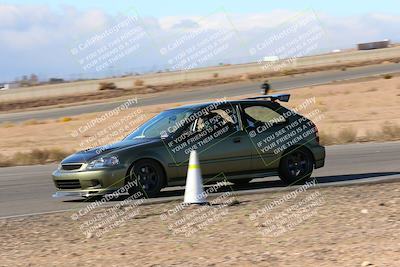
[85, 183]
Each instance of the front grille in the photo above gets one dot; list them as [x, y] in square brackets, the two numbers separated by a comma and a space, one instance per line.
[68, 184]
[70, 167]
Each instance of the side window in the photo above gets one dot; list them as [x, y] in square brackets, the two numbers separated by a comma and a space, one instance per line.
[256, 114]
[223, 118]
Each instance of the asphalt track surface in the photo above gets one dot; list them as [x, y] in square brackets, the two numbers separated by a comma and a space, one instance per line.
[210, 92]
[28, 190]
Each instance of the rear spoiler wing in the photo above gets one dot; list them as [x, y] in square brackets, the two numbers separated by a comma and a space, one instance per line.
[280, 97]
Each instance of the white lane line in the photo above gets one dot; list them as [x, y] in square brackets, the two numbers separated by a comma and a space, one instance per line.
[34, 214]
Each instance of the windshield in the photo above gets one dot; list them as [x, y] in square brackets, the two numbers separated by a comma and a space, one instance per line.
[165, 123]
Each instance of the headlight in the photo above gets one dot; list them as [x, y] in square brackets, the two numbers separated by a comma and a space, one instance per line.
[103, 162]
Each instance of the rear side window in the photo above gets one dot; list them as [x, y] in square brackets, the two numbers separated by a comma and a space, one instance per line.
[263, 114]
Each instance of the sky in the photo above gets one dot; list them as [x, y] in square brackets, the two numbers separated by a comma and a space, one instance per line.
[180, 7]
[58, 38]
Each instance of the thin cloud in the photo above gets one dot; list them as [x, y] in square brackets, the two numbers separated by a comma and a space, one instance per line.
[29, 32]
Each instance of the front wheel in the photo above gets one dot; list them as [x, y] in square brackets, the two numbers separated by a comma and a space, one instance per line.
[296, 166]
[147, 176]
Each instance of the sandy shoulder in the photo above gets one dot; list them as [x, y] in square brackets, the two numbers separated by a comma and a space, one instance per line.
[352, 226]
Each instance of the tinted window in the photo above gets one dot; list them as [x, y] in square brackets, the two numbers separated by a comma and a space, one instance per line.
[167, 121]
[263, 114]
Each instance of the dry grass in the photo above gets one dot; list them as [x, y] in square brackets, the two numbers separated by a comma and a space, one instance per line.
[326, 139]
[347, 135]
[4, 162]
[288, 72]
[87, 95]
[138, 82]
[331, 93]
[36, 156]
[58, 98]
[246, 77]
[372, 89]
[32, 122]
[7, 124]
[65, 119]
[107, 86]
[390, 131]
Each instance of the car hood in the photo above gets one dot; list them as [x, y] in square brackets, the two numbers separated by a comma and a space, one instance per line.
[89, 154]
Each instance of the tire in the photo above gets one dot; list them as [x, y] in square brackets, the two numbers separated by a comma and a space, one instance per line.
[241, 181]
[296, 166]
[149, 175]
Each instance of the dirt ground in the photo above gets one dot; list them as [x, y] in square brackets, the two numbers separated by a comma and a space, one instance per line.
[361, 107]
[48, 99]
[346, 226]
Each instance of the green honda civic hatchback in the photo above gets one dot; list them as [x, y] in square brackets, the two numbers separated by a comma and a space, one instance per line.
[236, 140]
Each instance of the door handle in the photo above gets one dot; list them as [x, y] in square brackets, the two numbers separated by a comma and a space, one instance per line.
[236, 140]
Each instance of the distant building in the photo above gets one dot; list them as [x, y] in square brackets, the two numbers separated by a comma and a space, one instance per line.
[56, 80]
[270, 58]
[6, 86]
[374, 45]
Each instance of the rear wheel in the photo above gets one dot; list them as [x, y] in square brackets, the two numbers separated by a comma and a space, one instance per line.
[296, 166]
[147, 176]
